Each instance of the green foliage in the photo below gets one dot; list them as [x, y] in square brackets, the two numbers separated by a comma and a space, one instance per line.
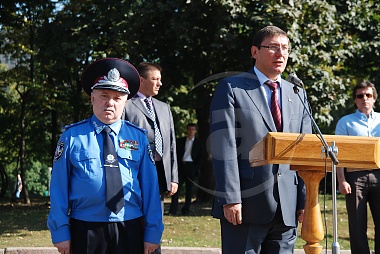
[37, 178]
[335, 45]
[3, 67]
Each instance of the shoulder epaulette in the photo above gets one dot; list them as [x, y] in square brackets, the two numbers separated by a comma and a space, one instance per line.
[75, 124]
[135, 126]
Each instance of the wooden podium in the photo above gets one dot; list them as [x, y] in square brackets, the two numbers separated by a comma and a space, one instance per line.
[305, 153]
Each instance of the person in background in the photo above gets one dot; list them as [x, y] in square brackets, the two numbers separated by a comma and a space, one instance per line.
[257, 207]
[18, 186]
[104, 190]
[156, 117]
[361, 187]
[190, 153]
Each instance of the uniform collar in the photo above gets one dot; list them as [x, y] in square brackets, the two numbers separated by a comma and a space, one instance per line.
[98, 125]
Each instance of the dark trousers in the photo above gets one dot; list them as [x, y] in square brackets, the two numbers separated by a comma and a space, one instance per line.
[125, 237]
[365, 188]
[161, 176]
[187, 172]
[272, 238]
[163, 190]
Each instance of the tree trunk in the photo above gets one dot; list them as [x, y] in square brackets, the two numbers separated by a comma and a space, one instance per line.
[4, 181]
[24, 192]
[54, 132]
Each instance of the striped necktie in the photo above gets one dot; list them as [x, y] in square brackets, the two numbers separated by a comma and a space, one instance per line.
[157, 133]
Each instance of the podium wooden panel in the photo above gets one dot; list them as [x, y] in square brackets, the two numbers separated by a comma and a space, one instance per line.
[305, 153]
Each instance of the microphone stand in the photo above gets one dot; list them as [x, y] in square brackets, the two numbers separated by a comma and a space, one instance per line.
[331, 151]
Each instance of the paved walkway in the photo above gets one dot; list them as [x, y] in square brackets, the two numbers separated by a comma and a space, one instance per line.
[165, 250]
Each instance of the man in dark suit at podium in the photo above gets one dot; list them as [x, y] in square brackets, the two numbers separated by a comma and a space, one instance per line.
[189, 155]
[257, 207]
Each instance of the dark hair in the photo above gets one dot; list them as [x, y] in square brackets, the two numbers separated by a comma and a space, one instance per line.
[268, 31]
[191, 125]
[365, 84]
[144, 67]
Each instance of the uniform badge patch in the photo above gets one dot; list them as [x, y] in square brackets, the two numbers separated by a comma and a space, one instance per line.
[150, 153]
[59, 150]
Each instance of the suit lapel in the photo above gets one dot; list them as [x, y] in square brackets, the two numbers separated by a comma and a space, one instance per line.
[139, 104]
[255, 92]
[157, 109]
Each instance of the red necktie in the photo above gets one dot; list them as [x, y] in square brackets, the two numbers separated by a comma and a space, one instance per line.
[274, 105]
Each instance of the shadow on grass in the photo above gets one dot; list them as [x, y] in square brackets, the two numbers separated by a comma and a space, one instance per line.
[16, 216]
[196, 209]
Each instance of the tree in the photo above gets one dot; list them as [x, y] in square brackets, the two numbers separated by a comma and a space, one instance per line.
[334, 45]
[21, 20]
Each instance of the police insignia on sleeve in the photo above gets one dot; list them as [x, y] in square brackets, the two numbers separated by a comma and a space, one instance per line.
[150, 153]
[59, 150]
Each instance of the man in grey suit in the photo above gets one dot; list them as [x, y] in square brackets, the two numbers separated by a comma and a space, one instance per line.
[156, 117]
[257, 207]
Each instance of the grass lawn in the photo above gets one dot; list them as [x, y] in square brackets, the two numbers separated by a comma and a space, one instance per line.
[22, 225]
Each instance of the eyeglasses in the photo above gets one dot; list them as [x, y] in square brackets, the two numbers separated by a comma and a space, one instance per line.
[361, 96]
[275, 49]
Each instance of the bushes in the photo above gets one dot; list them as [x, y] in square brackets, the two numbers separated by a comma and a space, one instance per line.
[37, 178]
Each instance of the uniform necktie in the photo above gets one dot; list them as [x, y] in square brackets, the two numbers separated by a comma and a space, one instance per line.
[114, 186]
[274, 105]
[157, 133]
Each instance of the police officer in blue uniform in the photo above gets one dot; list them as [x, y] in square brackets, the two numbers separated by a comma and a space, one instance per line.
[80, 220]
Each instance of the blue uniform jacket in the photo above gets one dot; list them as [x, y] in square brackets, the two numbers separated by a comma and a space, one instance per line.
[77, 188]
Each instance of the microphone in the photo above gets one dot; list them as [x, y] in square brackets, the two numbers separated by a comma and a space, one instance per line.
[292, 78]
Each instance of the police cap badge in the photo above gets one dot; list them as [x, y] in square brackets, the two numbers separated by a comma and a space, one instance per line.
[111, 73]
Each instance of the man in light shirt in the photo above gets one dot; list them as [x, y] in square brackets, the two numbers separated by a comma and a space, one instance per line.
[190, 155]
[361, 187]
